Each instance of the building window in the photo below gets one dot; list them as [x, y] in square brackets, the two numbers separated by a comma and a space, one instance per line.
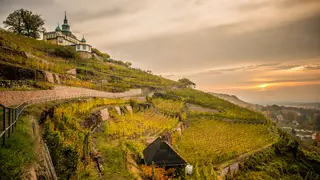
[60, 40]
[84, 47]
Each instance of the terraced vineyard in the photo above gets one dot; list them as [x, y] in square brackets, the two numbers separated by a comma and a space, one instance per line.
[139, 124]
[128, 134]
[68, 141]
[209, 141]
[227, 109]
[168, 105]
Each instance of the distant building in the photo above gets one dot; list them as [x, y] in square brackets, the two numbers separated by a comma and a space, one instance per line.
[280, 117]
[162, 154]
[64, 37]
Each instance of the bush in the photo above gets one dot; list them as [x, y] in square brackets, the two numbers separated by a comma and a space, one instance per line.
[67, 52]
[99, 53]
[158, 172]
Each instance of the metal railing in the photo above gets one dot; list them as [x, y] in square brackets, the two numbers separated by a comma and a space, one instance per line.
[10, 115]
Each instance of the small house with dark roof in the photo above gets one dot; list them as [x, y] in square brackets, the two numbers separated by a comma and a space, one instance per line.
[162, 154]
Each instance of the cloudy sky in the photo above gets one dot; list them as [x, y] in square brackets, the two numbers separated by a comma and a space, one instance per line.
[260, 50]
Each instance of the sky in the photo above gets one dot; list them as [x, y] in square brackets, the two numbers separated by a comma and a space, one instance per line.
[262, 51]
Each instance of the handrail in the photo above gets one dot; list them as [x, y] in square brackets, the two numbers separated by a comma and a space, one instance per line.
[14, 112]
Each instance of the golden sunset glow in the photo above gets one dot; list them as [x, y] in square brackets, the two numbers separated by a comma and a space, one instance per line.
[263, 85]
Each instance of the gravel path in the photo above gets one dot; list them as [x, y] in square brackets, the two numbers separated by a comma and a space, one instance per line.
[12, 98]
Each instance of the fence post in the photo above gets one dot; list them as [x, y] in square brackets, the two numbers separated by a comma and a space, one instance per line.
[14, 118]
[4, 126]
[10, 118]
[9, 122]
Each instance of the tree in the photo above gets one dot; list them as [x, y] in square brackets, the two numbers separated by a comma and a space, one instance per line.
[128, 64]
[24, 22]
[186, 83]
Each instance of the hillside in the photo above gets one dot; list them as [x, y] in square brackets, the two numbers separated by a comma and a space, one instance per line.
[81, 122]
[35, 62]
[235, 100]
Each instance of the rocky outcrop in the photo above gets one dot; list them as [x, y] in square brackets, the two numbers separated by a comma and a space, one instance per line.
[85, 55]
[117, 108]
[230, 170]
[56, 79]
[129, 109]
[72, 73]
[97, 57]
[49, 76]
[104, 113]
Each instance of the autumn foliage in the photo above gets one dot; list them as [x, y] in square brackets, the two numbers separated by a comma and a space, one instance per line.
[159, 173]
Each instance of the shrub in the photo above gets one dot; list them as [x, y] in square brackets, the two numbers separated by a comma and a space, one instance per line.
[99, 53]
[67, 52]
[159, 173]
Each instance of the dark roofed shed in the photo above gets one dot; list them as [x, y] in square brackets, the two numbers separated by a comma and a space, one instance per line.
[162, 154]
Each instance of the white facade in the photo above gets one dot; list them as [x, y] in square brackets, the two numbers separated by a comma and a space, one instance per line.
[64, 37]
[83, 47]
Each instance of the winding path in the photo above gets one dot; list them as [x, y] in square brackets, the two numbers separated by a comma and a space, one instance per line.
[13, 98]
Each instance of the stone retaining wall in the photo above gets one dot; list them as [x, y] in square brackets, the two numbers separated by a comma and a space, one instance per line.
[11, 98]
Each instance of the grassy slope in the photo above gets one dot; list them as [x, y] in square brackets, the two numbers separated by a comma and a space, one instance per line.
[284, 160]
[115, 75]
[18, 151]
[226, 109]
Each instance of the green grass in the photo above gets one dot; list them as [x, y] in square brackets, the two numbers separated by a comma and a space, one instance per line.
[227, 110]
[18, 152]
[284, 160]
[40, 60]
[24, 85]
[114, 154]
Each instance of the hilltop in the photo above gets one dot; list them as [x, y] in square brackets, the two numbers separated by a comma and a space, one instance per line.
[91, 127]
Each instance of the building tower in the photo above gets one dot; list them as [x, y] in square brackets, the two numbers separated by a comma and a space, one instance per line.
[65, 26]
[58, 28]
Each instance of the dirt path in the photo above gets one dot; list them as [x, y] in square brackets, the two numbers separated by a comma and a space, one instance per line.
[194, 107]
[12, 98]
